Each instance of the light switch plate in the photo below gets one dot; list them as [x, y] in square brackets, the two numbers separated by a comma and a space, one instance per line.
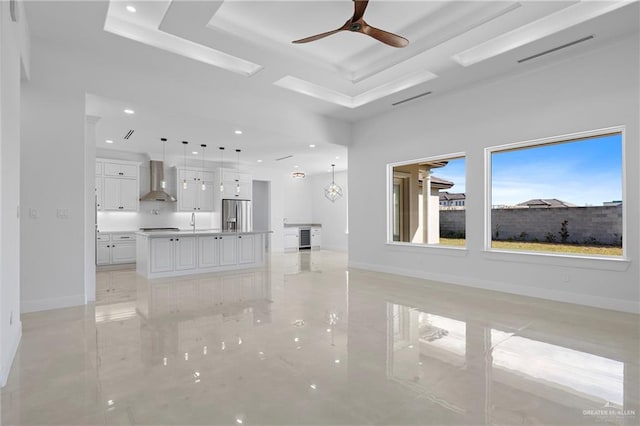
[33, 213]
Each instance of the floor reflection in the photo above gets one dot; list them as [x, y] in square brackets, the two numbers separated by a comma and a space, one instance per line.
[307, 341]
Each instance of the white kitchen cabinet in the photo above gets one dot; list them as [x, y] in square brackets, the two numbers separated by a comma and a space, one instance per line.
[291, 238]
[123, 252]
[103, 254]
[237, 185]
[161, 256]
[316, 237]
[228, 250]
[120, 194]
[185, 253]
[113, 249]
[193, 198]
[117, 185]
[208, 252]
[196, 176]
[246, 248]
[173, 254]
[99, 192]
[121, 169]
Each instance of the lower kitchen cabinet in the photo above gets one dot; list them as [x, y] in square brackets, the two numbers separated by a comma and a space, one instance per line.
[185, 253]
[161, 256]
[164, 256]
[115, 249]
[173, 254]
[228, 250]
[208, 252]
[316, 237]
[246, 249]
[115, 253]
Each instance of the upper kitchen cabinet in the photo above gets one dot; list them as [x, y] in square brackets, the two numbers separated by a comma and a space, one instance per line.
[194, 198]
[117, 185]
[237, 185]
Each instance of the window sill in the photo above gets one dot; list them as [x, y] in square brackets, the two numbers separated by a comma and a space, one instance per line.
[559, 259]
[434, 248]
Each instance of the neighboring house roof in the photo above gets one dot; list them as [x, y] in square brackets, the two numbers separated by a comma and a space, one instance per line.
[546, 203]
[440, 183]
[452, 196]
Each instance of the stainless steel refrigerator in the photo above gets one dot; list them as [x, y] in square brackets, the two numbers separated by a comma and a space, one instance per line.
[237, 215]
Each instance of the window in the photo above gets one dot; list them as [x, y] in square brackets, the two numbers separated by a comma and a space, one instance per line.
[427, 201]
[562, 195]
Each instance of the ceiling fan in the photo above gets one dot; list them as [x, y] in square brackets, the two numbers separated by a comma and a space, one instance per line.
[358, 25]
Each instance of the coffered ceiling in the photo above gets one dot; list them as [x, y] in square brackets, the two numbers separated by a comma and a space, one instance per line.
[231, 64]
[351, 70]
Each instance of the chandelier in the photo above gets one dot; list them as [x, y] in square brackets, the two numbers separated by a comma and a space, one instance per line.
[333, 191]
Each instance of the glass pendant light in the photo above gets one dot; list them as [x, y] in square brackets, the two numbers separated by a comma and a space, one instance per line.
[238, 173]
[184, 181]
[204, 187]
[163, 183]
[333, 191]
[221, 162]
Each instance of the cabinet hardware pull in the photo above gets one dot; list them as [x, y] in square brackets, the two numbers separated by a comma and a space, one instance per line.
[120, 173]
[171, 239]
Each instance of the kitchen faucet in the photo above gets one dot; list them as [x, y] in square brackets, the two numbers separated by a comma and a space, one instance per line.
[193, 221]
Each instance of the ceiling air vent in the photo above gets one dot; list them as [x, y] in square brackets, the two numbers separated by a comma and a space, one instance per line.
[411, 98]
[284, 158]
[555, 49]
[128, 135]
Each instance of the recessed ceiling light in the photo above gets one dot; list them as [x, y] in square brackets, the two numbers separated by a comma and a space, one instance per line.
[259, 161]
[109, 141]
[312, 146]
[194, 152]
[129, 111]
[238, 132]
[131, 9]
[295, 167]
[338, 157]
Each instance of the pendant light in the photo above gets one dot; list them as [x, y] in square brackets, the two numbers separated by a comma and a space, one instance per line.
[238, 173]
[204, 187]
[221, 162]
[163, 183]
[333, 191]
[184, 181]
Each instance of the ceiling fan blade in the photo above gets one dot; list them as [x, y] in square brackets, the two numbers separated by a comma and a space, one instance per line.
[318, 36]
[385, 37]
[359, 6]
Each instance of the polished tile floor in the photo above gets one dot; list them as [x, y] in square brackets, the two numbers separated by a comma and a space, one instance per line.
[305, 341]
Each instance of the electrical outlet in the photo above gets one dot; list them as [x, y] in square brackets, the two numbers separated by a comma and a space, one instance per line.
[34, 213]
[62, 213]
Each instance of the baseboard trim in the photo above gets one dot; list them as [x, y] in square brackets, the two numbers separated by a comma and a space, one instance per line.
[13, 348]
[27, 306]
[555, 295]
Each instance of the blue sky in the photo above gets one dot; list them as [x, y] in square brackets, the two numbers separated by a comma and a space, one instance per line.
[586, 172]
[454, 171]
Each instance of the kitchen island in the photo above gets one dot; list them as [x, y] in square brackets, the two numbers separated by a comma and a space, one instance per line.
[172, 253]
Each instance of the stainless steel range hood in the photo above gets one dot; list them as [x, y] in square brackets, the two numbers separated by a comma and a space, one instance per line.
[157, 175]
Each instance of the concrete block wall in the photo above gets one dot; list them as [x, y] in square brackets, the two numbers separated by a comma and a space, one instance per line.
[602, 224]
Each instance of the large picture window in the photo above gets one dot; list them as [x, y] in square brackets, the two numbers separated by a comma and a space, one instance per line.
[558, 196]
[427, 201]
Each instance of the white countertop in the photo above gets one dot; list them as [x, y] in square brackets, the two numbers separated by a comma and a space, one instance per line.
[197, 232]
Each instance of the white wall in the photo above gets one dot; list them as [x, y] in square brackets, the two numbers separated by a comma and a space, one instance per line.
[563, 95]
[332, 216]
[14, 48]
